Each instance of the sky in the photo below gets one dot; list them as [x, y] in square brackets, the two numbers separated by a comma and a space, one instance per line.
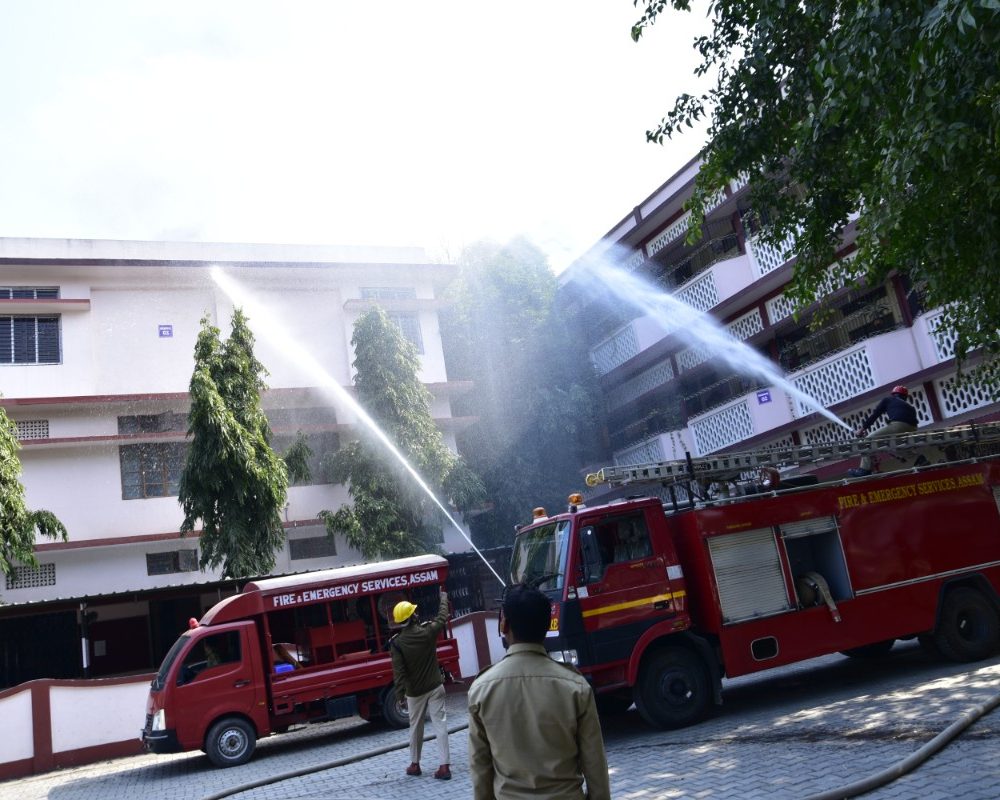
[432, 124]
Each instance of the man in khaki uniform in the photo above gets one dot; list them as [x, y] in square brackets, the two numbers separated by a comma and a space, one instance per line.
[533, 725]
[417, 679]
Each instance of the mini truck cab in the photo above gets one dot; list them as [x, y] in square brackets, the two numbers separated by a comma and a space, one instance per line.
[291, 650]
[656, 602]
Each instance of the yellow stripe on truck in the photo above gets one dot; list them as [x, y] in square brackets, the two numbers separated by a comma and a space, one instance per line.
[593, 612]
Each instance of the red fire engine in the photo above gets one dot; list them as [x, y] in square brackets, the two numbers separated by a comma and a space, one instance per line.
[656, 599]
[296, 649]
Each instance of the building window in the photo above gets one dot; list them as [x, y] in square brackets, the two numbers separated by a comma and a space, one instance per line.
[29, 292]
[151, 470]
[409, 325]
[152, 423]
[171, 561]
[29, 340]
[32, 428]
[312, 547]
[32, 577]
[388, 293]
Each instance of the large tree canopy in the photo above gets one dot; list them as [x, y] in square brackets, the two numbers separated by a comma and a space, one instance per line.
[533, 386]
[232, 480]
[391, 516]
[19, 525]
[882, 108]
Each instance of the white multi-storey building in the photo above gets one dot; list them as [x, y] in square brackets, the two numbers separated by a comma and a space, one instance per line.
[666, 396]
[96, 354]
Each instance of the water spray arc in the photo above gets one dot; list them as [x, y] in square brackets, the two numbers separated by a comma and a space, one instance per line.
[267, 325]
[692, 326]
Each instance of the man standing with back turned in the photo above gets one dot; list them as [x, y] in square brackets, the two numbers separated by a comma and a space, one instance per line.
[533, 725]
[417, 679]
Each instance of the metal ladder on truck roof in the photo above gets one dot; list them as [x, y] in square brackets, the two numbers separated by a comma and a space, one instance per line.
[726, 466]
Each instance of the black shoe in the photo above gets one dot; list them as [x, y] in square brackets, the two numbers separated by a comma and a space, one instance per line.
[858, 472]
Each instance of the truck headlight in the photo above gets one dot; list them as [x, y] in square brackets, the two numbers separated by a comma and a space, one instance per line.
[565, 656]
[159, 721]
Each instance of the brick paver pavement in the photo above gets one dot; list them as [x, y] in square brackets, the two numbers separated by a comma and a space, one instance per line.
[788, 733]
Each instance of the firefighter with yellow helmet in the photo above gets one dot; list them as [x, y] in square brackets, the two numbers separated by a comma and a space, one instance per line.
[417, 679]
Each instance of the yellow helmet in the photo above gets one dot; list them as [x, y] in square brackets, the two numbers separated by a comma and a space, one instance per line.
[402, 611]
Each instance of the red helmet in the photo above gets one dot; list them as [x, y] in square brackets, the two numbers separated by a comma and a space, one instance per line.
[902, 391]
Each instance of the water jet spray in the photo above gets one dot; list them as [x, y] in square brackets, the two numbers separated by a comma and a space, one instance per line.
[276, 333]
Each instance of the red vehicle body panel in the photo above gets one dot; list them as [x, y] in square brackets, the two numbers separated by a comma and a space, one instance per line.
[888, 546]
[340, 658]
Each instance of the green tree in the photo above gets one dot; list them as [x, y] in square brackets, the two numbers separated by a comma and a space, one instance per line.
[18, 525]
[533, 387]
[882, 108]
[232, 480]
[391, 516]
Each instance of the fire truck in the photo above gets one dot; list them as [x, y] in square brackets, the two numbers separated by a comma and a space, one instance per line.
[290, 650]
[735, 565]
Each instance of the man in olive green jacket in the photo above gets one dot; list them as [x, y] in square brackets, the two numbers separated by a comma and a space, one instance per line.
[533, 725]
[417, 678]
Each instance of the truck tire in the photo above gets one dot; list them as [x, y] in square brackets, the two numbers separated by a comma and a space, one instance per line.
[968, 628]
[875, 650]
[673, 689]
[394, 713]
[230, 742]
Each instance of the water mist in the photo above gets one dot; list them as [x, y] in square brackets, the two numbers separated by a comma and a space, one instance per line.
[601, 278]
[268, 327]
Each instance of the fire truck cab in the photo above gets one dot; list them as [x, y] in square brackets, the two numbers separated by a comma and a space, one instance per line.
[656, 602]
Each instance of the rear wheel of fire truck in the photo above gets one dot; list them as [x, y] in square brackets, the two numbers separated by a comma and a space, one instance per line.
[968, 628]
[394, 713]
[673, 689]
[230, 742]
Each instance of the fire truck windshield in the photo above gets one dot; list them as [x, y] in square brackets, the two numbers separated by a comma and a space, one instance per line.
[539, 557]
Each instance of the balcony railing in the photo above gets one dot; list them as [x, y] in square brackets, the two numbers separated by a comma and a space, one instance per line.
[676, 273]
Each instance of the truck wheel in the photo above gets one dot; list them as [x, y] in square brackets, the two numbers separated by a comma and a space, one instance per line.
[876, 650]
[230, 742]
[968, 628]
[394, 712]
[673, 689]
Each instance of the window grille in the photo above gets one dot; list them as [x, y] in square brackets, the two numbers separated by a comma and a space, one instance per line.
[409, 326]
[29, 340]
[172, 561]
[152, 423]
[722, 428]
[32, 428]
[32, 577]
[312, 547]
[29, 292]
[151, 470]
[387, 293]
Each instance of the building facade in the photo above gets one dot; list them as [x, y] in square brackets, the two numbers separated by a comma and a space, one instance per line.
[666, 395]
[96, 354]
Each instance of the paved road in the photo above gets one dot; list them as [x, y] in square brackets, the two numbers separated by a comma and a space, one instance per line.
[786, 734]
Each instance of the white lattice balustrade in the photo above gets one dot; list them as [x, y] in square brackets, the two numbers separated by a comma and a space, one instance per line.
[647, 452]
[715, 201]
[642, 383]
[634, 261]
[767, 257]
[744, 327]
[672, 232]
[701, 293]
[944, 337]
[615, 350]
[692, 357]
[956, 398]
[845, 376]
[722, 428]
[740, 181]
